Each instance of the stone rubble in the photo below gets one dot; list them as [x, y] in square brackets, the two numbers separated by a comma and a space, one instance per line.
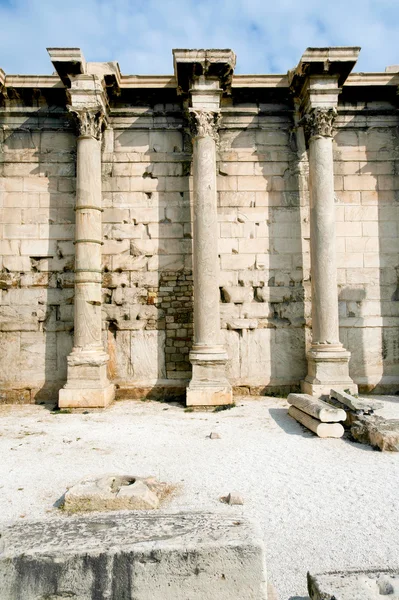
[366, 427]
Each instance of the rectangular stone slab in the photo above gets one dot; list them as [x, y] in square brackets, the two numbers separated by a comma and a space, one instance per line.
[323, 430]
[354, 585]
[129, 556]
[356, 404]
[317, 408]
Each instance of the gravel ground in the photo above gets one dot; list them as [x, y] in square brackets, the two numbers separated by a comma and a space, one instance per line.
[321, 504]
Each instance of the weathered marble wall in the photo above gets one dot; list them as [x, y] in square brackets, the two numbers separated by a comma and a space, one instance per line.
[263, 211]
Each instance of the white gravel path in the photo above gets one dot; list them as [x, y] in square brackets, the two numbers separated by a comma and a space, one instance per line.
[321, 504]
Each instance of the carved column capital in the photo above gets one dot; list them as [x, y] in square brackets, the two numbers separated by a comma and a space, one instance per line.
[319, 122]
[204, 123]
[90, 121]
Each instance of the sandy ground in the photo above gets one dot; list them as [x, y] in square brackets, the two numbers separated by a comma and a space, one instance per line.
[321, 504]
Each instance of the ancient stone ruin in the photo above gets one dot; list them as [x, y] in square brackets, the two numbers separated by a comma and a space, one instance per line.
[199, 233]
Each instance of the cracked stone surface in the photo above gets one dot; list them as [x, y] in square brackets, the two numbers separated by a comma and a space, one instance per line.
[355, 585]
[115, 492]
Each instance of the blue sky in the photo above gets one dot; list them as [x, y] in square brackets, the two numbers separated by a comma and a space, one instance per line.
[268, 36]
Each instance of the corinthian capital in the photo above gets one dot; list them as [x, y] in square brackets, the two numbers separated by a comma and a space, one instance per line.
[319, 121]
[204, 123]
[90, 121]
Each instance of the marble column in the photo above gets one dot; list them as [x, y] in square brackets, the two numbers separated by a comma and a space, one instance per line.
[208, 357]
[87, 382]
[328, 361]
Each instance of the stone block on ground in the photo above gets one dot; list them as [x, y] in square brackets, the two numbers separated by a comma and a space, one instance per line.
[363, 405]
[323, 430]
[115, 492]
[129, 555]
[354, 585]
[376, 431]
[316, 408]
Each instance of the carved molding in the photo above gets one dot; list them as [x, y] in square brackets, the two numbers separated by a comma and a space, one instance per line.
[204, 123]
[319, 121]
[90, 121]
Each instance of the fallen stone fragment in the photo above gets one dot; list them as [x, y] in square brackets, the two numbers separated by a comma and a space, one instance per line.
[234, 498]
[215, 436]
[356, 404]
[323, 430]
[316, 408]
[376, 431]
[140, 556]
[115, 492]
[354, 585]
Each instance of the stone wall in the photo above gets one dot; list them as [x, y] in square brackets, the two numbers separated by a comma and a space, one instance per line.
[263, 213]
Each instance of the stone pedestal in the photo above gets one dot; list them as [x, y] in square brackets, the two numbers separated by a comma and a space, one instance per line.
[209, 385]
[87, 382]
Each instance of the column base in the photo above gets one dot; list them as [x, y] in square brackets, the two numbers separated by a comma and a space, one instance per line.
[87, 382]
[328, 369]
[209, 385]
[86, 397]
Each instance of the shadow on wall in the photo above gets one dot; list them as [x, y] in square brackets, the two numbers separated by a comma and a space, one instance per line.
[367, 225]
[147, 252]
[263, 208]
[38, 258]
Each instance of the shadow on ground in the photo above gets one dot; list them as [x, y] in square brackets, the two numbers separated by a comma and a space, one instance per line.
[287, 423]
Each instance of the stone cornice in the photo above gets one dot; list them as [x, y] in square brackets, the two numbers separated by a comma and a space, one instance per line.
[211, 64]
[169, 81]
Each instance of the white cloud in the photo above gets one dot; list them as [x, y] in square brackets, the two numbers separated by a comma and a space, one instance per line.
[267, 35]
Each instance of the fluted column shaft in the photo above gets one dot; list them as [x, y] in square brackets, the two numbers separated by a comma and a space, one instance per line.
[327, 359]
[87, 335]
[208, 385]
[205, 247]
[325, 327]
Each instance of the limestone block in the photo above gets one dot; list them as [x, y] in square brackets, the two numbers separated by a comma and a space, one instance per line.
[170, 230]
[256, 360]
[237, 294]
[173, 262]
[256, 310]
[148, 355]
[228, 311]
[17, 263]
[288, 353]
[354, 585]
[128, 231]
[274, 294]
[316, 408]
[157, 557]
[323, 430]
[237, 262]
[231, 341]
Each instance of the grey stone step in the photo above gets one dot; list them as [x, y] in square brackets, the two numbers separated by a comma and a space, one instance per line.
[126, 556]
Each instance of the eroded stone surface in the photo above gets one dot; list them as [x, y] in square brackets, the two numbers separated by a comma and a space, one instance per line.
[162, 557]
[364, 406]
[114, 492]
[376, 431]
[355, 585]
